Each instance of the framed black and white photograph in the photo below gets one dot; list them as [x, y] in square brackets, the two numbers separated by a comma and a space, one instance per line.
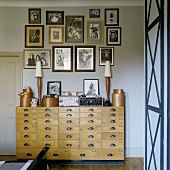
[94, 13]
[34, 15]
[85, 58]
[56, 35]
[54, 87]
[113, 35]
[106, 53]
[112, 17]
[91, 87]
[31, 56]
[74, 29]
[95, 32]
[62, 58]
[54, 17]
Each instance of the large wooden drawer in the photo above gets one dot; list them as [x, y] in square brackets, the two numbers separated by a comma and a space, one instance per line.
[89, 109]
[47, 115]
[112, 114]
[68, 144]
[26, 121]
[90, 120]
[71, 128]
[90, 128]
[114, 127]
[68, 121]
[26, 135]
[46, 121]
[26, 128]
[51, 144]
[112, 136]
[68, 136]
[90, 136]
[47, 128]
[69, 109]
[31, 111]
[55, 154]
[112, 144]
[112, 109]
[26, 144]
[27, 153]
[49, 110]
[113, 120]
[91, 115]
[90, 145]
[47, 136]
[69, 115]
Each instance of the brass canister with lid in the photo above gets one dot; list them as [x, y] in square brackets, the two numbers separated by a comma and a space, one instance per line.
[118, 98]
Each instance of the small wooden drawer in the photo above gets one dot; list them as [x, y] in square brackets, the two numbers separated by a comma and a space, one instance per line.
[47, 121]
[90, 109]
[114, 127]
[47, 109]
[51, 144]
[68, 121]
[110, 154]
[47, 136]
[26, 110]
[26, 153]
[90, 136]
[83, 154]
[90, 128]
[114, 144]
[112, 109]
[69, 115]
[90, 145]
[68, 145]
[55, 154]
[68, 136]
[69, 109]
[112, 136]
[90, 120]
[47, 115]
[113, 114]
[26, 136]
[71, 128]
[26, 121]
[91, 115]
[26, 144]
[113, 120]
[47, 128]
[25, 128]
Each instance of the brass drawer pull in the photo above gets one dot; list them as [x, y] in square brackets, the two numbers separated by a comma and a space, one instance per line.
[112, 128]
[69, 128]
[112, 136]
[69, 115]
[47, 121]
[26, 121]
[69, 110]
[47, 110]
[110, 155]
[47, 136]
[112, 145]
[112, 121]
[26, 128]
[91, 121]
[26, 136]
[69, 121]
[26, 110]
[47, 144]
[82, 155]
[112, 109]
[112, 114]
[26, 115]
[55, 154]
[90, 128]
[90, 145]
[26, 144]
[47, 115]
[90, 136]
[47, 128]
[29, 154]
[90, 110]
[69, 144]
[69, 136]
[90, 115]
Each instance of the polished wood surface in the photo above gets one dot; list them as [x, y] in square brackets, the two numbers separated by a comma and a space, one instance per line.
[129, 164]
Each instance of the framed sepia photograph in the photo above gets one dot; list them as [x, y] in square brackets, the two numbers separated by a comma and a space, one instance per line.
[112, 17]
[91, 87]
[106, 53]
[95, 32]
[94, 13]
[54, 88]
[62, 58]
[34, 36]
[113, 35]
[85, 58]
[74, 29]
[34, 15]
[31, 56]
[56, 35]
[54, 17]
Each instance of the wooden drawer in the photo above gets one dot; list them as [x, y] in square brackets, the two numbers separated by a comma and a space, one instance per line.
[47, 121]
[26, 128]
[83, 154]
[51, 144]
[90, 145]
[68, 136]
[112, 136]
[47, 110]
[113, 114]
[26, 144]
[47, 136]
[113, 120]
[68, 145]
[53, 154]
[71, 128]
[26, 121]
[26, 136]
[113, 127]
[90, 109]
[91, 115]
[110, 154]
[47, 128]
[91, 120]
[27, 153]
[91, 128]
[31, 111]
[112, 109]
[113, 144]
[47, 115]
[69, 109]
[69, 115]
[68, 121]
[90, 136]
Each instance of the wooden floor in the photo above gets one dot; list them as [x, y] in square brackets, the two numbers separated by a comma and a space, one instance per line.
[129, 164]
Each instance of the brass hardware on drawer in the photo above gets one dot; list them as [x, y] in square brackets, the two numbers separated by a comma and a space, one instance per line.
[55, 154]
[82, 155]
[90, 136]
[47, 121]
[90, 115]
[112, 121]
[69, 110]
[110, 155]
[91, 128]
[112, 145]
[47, 128]
[26, 121]
[90, 145]
[47, 115]
[25, 110]
[112, 109]
[29, 154]
[47, 144]
[91, 121]
[69, 144]
[112, 136]
[47, 110]
[26, 136]
[112, 114]
[26, 115]
[47, 136]
[91, 110]
[69, 121]
[69, 136]
[112, 128]
[26, 128]
[69, 128]
[26, 144]
[69, 115]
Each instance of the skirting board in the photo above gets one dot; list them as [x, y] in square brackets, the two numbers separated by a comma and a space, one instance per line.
[134, 152]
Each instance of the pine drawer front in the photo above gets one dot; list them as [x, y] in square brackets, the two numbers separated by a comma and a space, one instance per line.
[68, 136]
[90, 145]
[113, 120]
[112, 128]
[69, 109]
[47, 115]
[26, 144]
[26, 128]
[112, 109]
[68, 121]
[57, 154]
[90, 136]
[88, 120]
[69, 114]
[112, 144]
[26, 136]
[91, 114]
[110, 154]
[47, 121]
[27, 153]
[112, 114]
[90, 128]
[47, 136]
[47, 128]
[51, 144]
[26, 121]
[89, 109]
[49, 110]
[31, 111]
[69, 128]
[112, 136]
[69, 145]
[83, 154]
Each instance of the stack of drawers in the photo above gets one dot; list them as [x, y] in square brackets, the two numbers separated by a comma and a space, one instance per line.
[72, 133]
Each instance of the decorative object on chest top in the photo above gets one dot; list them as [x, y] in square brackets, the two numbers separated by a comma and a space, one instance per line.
[118, 98]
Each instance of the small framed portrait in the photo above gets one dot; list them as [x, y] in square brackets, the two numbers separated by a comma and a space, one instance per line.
[106, 53]
[34, 15]
[91, 87]
[34, 36]
[31, 56]
[62, 58]
[54, 17]
[94, 13]
[111, 17]
[54, 88]
[113, 35]
[85, 58]
[56, 35]
[95, 32]
[74, 29]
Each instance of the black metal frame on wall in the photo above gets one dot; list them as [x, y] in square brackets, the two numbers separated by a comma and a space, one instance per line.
[154, 85]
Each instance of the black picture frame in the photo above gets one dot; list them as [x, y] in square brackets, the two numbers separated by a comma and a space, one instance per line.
[94, 13]
[54, 87]
[34, 15]
[54, 17]
[112, 17]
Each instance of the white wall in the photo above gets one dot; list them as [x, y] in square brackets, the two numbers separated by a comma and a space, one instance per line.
[127, 70]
